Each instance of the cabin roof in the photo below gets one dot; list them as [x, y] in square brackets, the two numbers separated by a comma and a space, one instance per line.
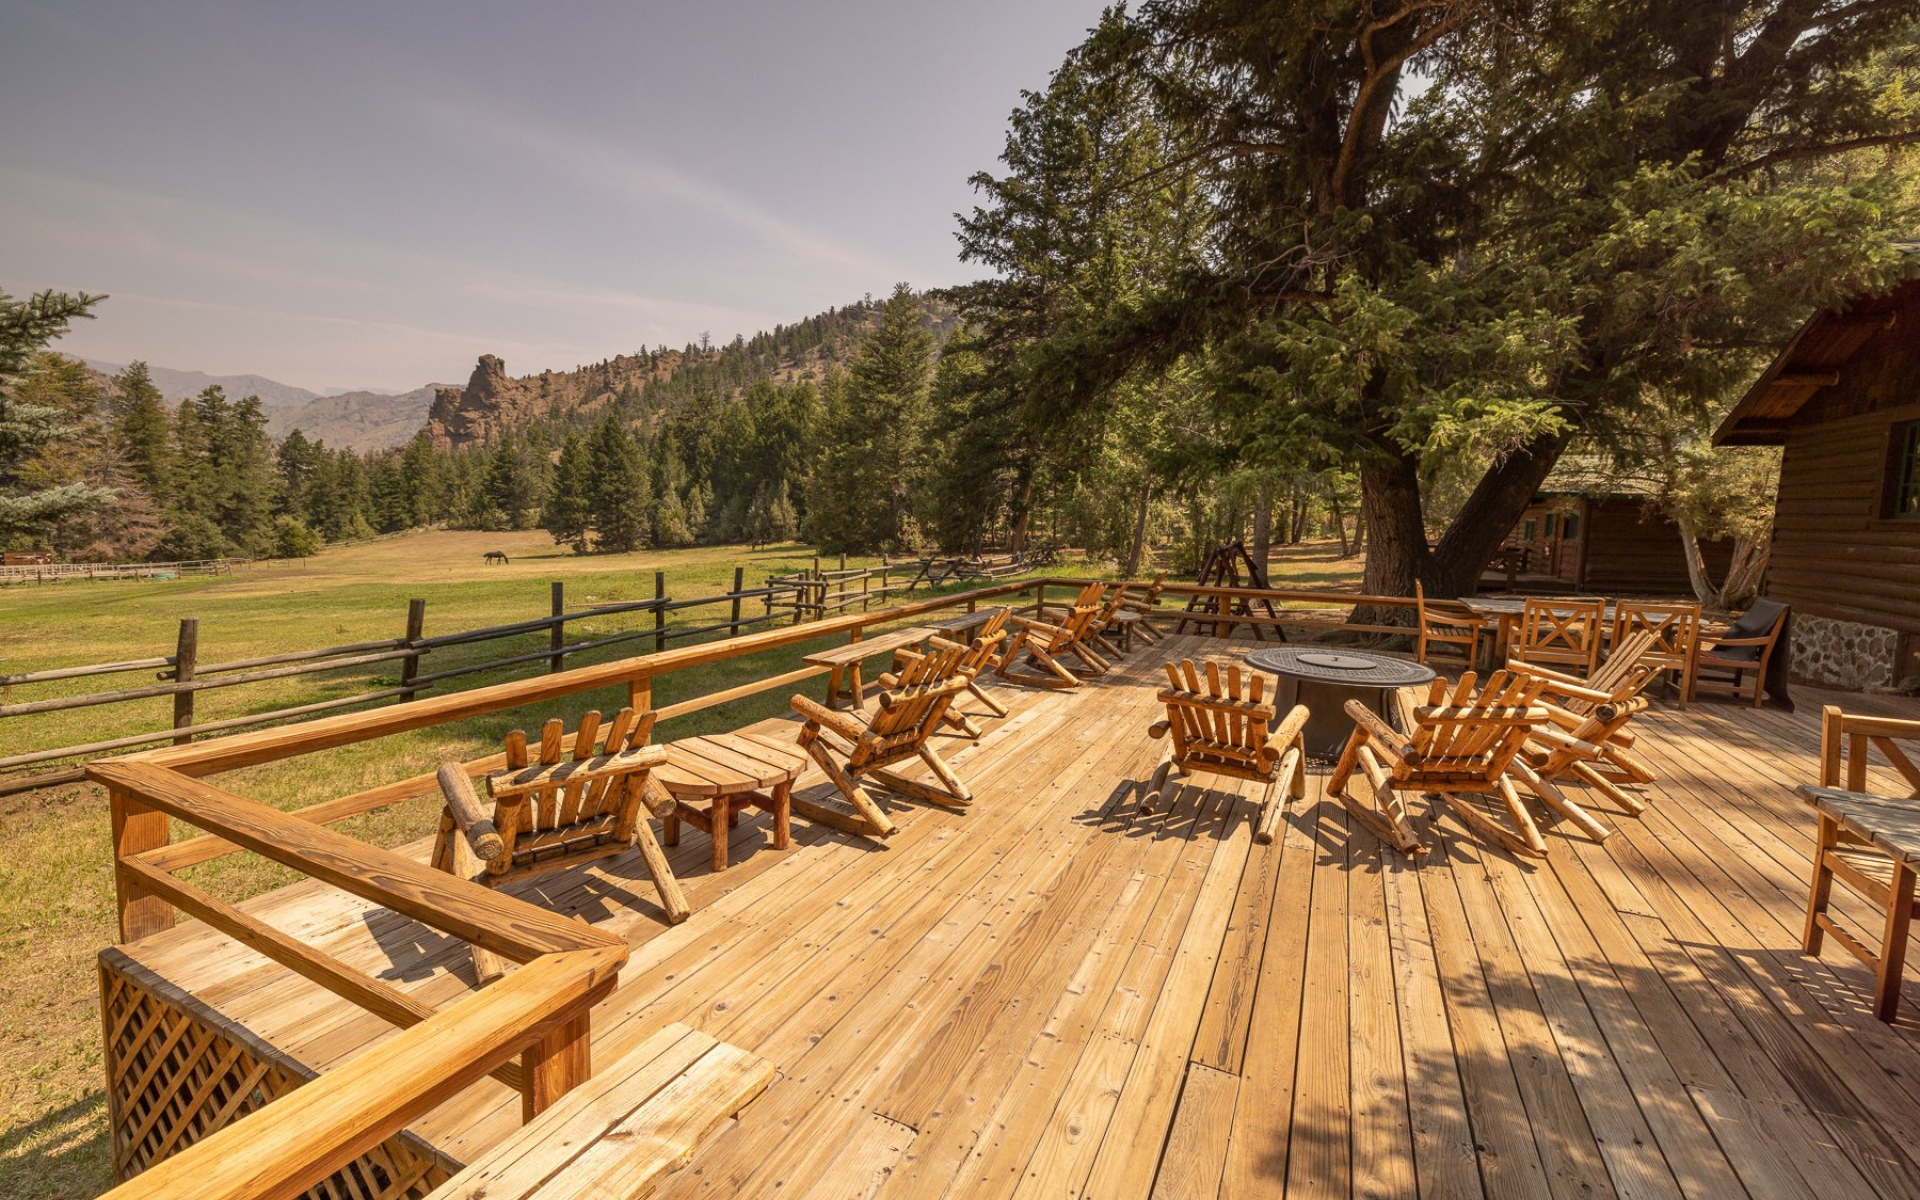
[1824, 343]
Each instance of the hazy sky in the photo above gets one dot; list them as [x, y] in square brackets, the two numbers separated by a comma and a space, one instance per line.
[372, 194]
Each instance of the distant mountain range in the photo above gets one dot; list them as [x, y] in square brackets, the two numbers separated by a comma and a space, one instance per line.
[365, 419]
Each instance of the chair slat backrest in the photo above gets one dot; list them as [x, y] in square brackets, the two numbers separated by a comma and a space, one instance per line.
[1474, 734]
[912, 705]
[1847, 741]
[538, 806]
[1216, 715]
[1086, 607]
[1675, 629]
[1564, 631]
[1630, 667]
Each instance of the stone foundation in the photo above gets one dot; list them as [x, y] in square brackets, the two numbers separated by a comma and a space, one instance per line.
[1843, 654]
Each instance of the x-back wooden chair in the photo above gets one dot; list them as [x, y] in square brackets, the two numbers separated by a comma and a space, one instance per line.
[1033, 656]
[1463, 743]
[1676, 638]
[1448, 624]
[1222, 728]
[1595, 712]
[976, 656]
[1872, 842]
[1560, 631]
[580, 801]
[849, 748]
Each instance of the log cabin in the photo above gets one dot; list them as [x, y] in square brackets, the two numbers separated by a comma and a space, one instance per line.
[1843, 402]
[1590, 531]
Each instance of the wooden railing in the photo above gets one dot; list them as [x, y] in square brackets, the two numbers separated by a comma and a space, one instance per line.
[540, 1015]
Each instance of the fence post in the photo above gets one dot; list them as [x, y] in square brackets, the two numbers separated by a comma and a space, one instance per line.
[410, 665]
[660, 611]
[866, 592]
[733, 630]
[1040, 602]
[186, 655]
[137, 827]
[557, 631]
[843, 560]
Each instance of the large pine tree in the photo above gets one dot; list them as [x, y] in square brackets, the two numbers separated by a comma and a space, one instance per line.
[28, 429]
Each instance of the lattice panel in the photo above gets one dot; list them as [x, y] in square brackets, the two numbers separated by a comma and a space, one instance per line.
[172, 1079]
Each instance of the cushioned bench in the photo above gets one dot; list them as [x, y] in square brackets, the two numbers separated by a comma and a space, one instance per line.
[638, 1118]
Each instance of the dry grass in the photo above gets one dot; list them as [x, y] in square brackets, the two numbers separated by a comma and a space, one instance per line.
[56, 873]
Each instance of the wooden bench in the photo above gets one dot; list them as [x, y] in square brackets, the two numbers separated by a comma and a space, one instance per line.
[844, 662]
[638, 1118]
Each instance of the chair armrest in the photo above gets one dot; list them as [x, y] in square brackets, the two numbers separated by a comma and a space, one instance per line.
[474, 821]
[1537, 671]
[1387, 739]
[825, 717]
[1033, 626]
[1567, 741]
[1288, 731]
[1765, 640]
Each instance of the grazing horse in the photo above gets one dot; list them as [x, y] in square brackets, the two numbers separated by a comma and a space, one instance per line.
[496, 556]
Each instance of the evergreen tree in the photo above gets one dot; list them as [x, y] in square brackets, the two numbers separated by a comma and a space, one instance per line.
[620, 496]
[568, 514]
[28, 430]
[140, 429]
[422, 479]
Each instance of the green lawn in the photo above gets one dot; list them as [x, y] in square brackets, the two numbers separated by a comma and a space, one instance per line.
[57, 874]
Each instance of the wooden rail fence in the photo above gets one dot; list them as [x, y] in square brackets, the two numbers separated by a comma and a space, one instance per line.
[54, 572]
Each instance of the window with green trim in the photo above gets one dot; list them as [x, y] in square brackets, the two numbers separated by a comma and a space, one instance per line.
[1570, 527]
[1529, 529]
[1903, 473]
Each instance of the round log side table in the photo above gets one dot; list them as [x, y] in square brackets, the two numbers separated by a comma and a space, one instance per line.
[1324, 680]
[711, 778]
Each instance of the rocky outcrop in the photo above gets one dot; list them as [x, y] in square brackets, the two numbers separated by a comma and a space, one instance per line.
[494, 401]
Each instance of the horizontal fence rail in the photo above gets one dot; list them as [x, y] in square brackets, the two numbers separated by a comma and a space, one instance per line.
[54, 572]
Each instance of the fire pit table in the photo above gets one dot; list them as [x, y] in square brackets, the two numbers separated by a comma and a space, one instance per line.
[1324, 680]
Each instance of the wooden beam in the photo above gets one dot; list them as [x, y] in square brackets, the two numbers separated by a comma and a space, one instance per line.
[1807, 378]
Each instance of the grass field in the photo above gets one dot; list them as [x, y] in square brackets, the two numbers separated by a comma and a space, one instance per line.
[56, 874]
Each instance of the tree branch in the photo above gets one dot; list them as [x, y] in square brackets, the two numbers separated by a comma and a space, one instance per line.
[1905, 137]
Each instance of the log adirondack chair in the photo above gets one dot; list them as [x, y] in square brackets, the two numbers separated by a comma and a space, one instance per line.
[1448, 624]
[1676, 638]
[1222, 728]
[1595, 712]
[581, 801]
[1033, 656]
[1566, 632]
[977, 656]
[850, 746]
[1463, 743]
[1108, 621]
[1870, 840]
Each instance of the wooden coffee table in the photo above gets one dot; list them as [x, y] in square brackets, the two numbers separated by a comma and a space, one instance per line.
[713, 777]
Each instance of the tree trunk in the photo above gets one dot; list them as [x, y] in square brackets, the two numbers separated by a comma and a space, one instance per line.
[1339, 521]
[1262, 548]
[1139, 532]
[1022, 512]
[1453, 567]
[1390, 504]
[1359, 534]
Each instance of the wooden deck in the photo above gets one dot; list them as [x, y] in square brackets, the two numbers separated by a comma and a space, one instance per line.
[1043, 996]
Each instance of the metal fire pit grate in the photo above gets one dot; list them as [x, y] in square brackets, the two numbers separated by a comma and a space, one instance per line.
[1358, 667]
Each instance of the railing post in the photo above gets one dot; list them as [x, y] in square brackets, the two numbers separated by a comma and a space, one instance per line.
[640, 693]
[186, 655]
[410, 665]
[660, 611]
[1040, 601]
[555, 1065]
[557, 631]
[137, 828]
[739, 574]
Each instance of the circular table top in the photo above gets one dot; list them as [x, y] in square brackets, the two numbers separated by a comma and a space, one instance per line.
[724, 764]
[1360, 668]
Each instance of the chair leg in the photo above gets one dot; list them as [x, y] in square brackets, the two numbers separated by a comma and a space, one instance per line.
[1893, 943]
[1387, 818]
[983, 696]
[873, 819]
[1606, 787]
[1820, 889]
[1557, 799]
[672, 898]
